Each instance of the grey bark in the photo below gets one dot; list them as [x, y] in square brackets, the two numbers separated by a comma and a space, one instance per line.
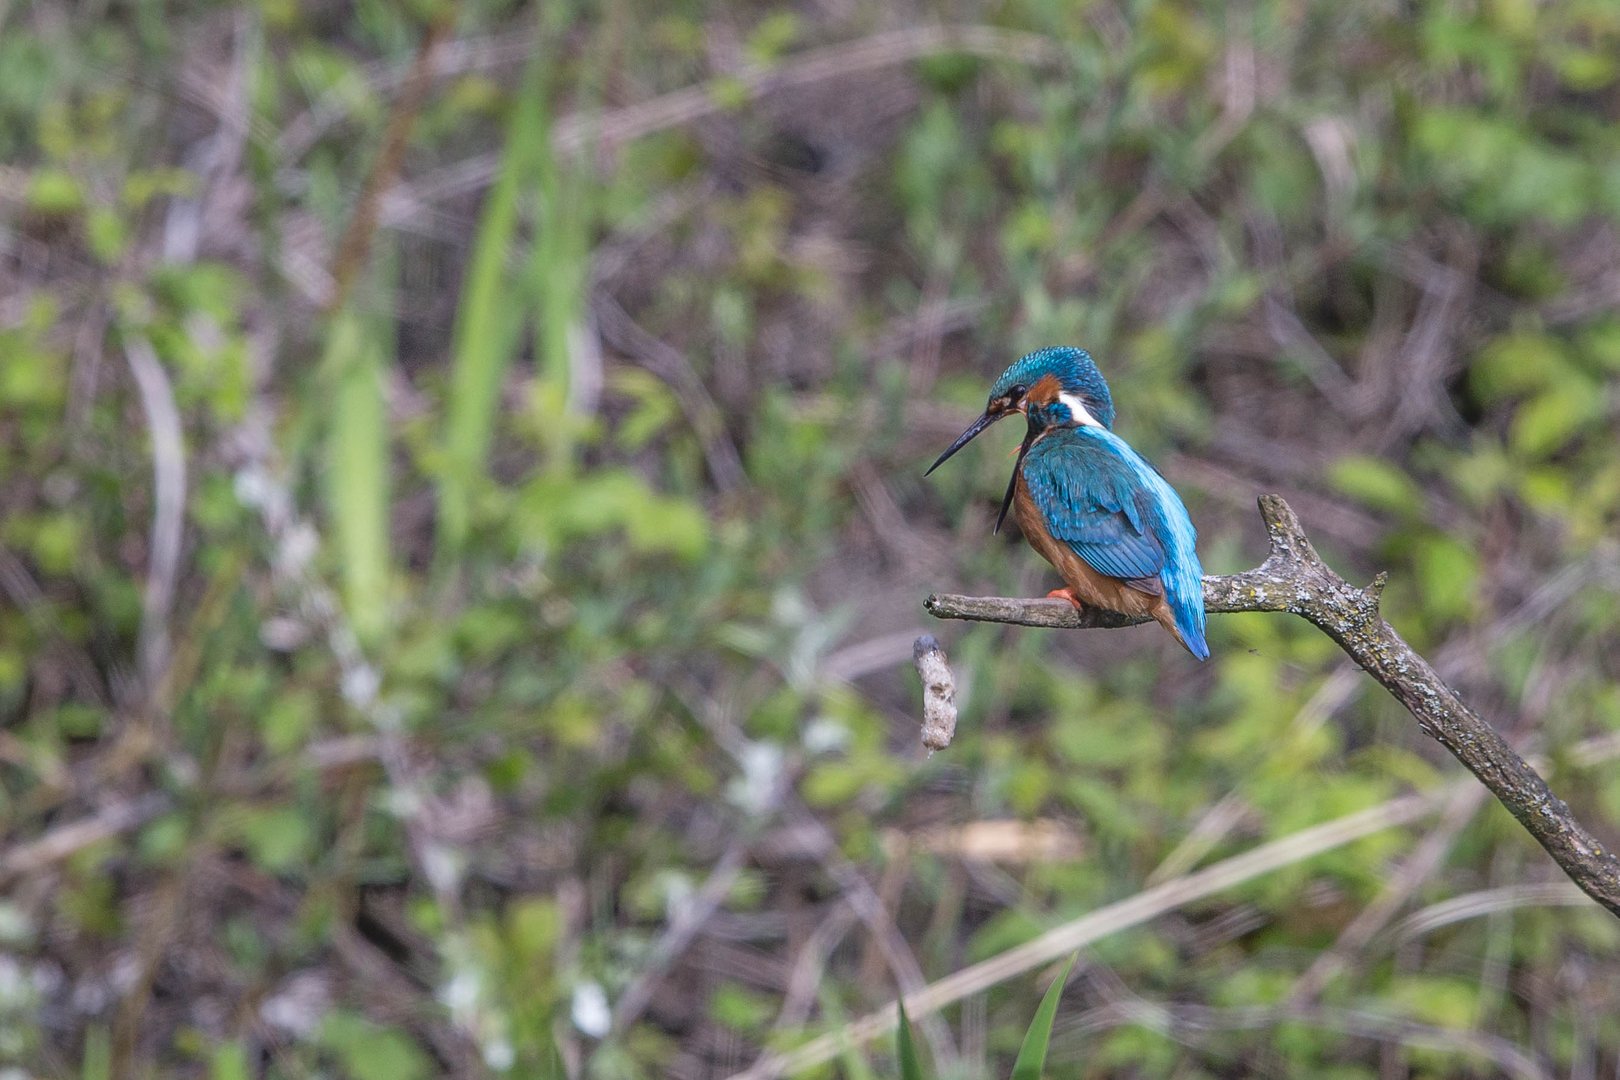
[1294, 579]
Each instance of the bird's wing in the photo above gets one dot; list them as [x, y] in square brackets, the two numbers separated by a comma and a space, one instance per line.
[1091, 500]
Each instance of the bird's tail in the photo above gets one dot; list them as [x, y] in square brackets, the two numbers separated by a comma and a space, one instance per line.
[1185, 623]
[1191, 633]
[1187, 613]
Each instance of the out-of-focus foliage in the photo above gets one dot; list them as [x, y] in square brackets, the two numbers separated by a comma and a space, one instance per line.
[533, 697]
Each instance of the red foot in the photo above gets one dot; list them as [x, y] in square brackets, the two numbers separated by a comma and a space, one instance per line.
[1066, 594]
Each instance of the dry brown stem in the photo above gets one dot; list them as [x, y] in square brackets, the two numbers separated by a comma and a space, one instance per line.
[355, 245]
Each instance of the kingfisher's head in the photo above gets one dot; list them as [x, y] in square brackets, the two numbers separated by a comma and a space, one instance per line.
[1053, 387]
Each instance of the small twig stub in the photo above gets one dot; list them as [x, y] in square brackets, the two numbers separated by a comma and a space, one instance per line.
[939, 693]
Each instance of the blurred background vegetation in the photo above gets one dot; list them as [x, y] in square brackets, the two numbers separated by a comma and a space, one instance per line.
[462, 529]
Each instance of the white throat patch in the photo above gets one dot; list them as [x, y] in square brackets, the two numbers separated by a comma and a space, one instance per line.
[1077, 406]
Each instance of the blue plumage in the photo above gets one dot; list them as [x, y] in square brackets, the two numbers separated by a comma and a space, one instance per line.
[1088, 496]
[1117, 513]
[1073, 368]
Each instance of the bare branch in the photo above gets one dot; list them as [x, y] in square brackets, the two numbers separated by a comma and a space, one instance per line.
[355, 244]
[1294, 579]
[65, 841]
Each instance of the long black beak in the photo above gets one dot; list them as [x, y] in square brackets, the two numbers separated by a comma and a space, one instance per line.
[1012, 482]
[966, 437]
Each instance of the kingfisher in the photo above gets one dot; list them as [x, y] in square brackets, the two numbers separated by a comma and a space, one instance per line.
[1092, 506]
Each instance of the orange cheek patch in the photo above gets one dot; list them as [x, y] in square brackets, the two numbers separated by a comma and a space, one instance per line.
[1045, 391]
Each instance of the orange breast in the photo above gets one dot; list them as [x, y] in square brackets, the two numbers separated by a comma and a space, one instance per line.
[1093, 588]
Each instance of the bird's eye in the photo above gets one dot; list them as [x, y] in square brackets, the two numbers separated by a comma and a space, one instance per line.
[1018, 391]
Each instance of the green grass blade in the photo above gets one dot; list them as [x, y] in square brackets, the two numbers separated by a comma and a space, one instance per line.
[559, 268]
[97, 1064]
[554, 1069]
[1032, 1055]
[906, 1047]
[558, 273]
[855, 1066]
[357, 468]
[489, 318]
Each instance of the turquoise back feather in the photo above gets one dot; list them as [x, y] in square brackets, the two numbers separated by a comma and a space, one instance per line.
[1117, 513]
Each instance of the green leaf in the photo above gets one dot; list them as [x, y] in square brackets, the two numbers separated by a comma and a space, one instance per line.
[1377, 483]
[1516, 364]
[357, 468]
[655, 407]
[533, 927]
[729, 92]
[230, 1062]
[832, 784]
[740, 1009]
[906, 1047]
[53, 191]
[288, 720]
[108, 234]
[561, 509]
[369, 1052]
[1600, 342]
[484, 341]
[1032, 1055]
[1448, 573]
[773, 37]
[1439, 1000]
[1550, 420]
[279, 839]
[165, 839]
[1585, 70]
